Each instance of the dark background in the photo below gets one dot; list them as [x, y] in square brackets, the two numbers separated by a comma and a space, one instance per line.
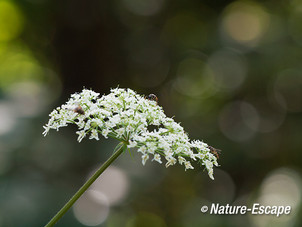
[229, 71]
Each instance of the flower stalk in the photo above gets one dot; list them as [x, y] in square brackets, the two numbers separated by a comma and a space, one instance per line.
[120, 148]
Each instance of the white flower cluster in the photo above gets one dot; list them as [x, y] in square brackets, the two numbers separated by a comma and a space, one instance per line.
[134, 120]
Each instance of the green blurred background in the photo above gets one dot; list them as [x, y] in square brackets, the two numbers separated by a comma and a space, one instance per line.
[230, 72]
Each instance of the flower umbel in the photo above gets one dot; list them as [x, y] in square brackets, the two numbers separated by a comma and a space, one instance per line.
[127, 116]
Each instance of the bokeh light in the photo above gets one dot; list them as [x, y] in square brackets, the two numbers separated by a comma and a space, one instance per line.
[282, 187]
[28, 98]
[222, 190]
[11, 20]
[194, 78]
[91, 211]
[245, 22]
[7, 117]
[19, 65]
[288, 89]
[236, 120]
[230, 69]
[271, 116]
[295, 19]
[114, 190]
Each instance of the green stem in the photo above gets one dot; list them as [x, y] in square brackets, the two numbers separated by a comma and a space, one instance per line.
[78, 194]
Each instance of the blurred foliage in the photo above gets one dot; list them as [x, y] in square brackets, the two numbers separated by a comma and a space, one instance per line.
[230, 71]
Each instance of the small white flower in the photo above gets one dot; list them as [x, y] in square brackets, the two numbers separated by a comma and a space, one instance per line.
[188, 165]
[181, 160]
[132, 144]
[208, 164]
[120, 132]
[105, 132]
[157, 158]
[145, 157]
[170, 161]
[94, 134]
[46, 130]
[142, 149]
[81, 134]
[125, 115]
[210, 172]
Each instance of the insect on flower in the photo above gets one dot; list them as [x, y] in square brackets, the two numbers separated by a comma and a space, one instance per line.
[215, 151]
[79, 110]
[152, 97]
[142, 125]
